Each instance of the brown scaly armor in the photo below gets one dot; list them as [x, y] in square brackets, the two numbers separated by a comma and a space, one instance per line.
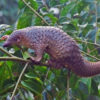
[63, 50]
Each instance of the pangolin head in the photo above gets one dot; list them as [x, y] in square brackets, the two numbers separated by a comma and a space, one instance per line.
[14, 39]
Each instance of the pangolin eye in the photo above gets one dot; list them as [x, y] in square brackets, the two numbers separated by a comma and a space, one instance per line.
[15, 39]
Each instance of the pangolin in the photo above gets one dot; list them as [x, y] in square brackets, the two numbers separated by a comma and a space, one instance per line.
[63, 50]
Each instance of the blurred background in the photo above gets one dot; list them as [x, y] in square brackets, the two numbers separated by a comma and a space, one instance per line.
[8, 11]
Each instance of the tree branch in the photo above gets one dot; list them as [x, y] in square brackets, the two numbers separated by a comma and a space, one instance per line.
[90, 55]
[22, 60]
[13, 59]
[6, 52]
[35, 12]
[86, 42]
[19, 79]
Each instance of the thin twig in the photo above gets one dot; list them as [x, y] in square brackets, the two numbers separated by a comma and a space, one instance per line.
[90, 55]
[86, 42]
[35, 12]
[91, 44]
[19, 79]
[46, 74]
[93, 50]
[6, 52]
[95, 2]
[68, 78]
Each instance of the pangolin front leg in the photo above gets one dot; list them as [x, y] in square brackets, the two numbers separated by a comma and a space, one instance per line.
[39, 50]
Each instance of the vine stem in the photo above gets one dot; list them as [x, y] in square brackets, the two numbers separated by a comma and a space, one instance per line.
[14, 91]
[68, 79]
[35, 12]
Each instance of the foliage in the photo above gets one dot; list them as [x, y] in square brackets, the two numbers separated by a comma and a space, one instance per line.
[81, 20]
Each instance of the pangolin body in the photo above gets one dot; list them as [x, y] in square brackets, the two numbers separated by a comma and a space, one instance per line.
[63, 50]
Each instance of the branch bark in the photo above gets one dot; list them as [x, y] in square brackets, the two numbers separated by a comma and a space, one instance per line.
[6, 52]
[22, 60]
[19, 79]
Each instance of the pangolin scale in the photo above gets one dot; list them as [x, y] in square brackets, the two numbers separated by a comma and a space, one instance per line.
[63, 50]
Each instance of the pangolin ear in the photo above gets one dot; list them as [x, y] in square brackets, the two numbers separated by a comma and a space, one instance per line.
[18, 39]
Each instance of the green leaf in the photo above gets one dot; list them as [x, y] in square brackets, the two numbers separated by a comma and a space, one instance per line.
[33, 86]
[25, 20]
[53, 19]
[34, 77]
[21, 4]
[87, 81]
[34, 4]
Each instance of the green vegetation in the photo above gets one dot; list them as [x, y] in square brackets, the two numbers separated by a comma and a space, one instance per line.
[78, 18]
